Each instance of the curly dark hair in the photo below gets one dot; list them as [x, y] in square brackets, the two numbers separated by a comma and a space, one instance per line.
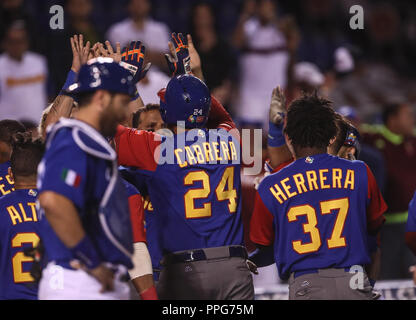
[8, 128]
[311, 122]
[26, 154]
[343, 126]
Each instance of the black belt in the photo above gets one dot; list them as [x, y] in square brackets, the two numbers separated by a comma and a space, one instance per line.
[200, 255]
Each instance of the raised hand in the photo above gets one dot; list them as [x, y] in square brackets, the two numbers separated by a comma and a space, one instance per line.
[196, 66]
[277, 106]
[108, 51]
[80, 53]
[132, 58]
[179, 61]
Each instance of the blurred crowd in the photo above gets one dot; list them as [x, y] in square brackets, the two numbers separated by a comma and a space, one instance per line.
[247, 48]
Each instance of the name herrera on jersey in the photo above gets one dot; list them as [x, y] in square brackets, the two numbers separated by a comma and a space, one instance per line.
[206, 152]
[312, 180]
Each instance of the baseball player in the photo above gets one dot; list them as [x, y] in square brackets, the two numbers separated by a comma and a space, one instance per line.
[196, 196]
[141, 275]
[19, 221]
[85, 217]
[7, 129]
[317, 210]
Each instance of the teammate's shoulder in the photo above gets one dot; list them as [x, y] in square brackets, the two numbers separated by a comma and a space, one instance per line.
[18, 196]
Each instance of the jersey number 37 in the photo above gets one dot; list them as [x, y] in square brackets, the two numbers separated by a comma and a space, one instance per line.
[327, 207]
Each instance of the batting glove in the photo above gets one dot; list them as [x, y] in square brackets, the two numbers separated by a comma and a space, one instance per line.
[179, 61]
[132, 58]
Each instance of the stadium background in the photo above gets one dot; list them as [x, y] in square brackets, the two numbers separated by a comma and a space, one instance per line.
[378, 69]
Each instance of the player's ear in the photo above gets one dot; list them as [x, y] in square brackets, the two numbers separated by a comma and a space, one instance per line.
[9, 170]
[332, 140]
[101, 99]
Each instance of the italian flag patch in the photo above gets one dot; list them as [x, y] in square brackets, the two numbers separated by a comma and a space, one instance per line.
[71, 178]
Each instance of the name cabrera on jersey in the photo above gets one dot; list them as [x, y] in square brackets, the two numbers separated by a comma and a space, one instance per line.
[83, 177]
[317, 212]
[196, 195]
[19, 230]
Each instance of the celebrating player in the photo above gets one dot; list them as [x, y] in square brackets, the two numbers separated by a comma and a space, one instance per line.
[88, 235]
[19, 226]
[7, 129]
[333, 198]
[203, 232]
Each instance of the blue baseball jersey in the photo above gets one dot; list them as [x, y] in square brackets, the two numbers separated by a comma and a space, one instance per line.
[83, 178]
[318, 212]
[411, 218]
[193, 180]
[19, 230]
[6, 182]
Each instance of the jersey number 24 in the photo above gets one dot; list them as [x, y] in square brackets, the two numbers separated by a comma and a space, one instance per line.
[225, 191]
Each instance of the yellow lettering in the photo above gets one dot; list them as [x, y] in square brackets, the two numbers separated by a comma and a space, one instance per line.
[233, 151]
[199, 154]
[278, 193]
[178, 158]
[336, 178]
[287, 188]
[190, 156]
[349, 179]
[3, 192]
[25, 217]
[208, 153]
[311, 176]
[14, 215]
[300, 183]
[9, 179]
[32, 206]
[323, 179]
[217, 151]
[225, 149]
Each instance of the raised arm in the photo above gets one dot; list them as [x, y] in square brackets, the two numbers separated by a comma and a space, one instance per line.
[276, 145]
[63, 104]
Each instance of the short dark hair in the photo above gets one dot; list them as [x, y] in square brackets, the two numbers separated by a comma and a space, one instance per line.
[390, 110]
[310, 122]
[148, 107]
[84, 98]
[26, 155]
[343, 127]
[8, 128]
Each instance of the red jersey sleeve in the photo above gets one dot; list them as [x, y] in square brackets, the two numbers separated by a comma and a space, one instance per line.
[261, 224]
[137, 218]
[376, 206]
[137, 148]
[219, 117]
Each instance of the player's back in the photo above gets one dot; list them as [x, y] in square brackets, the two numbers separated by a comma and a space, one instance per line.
[19, 229]
[198, 195]
[6, 182]
[319, 206]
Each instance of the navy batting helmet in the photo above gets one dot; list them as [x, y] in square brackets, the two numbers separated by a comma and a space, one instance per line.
[104, 74]
[186, 99]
